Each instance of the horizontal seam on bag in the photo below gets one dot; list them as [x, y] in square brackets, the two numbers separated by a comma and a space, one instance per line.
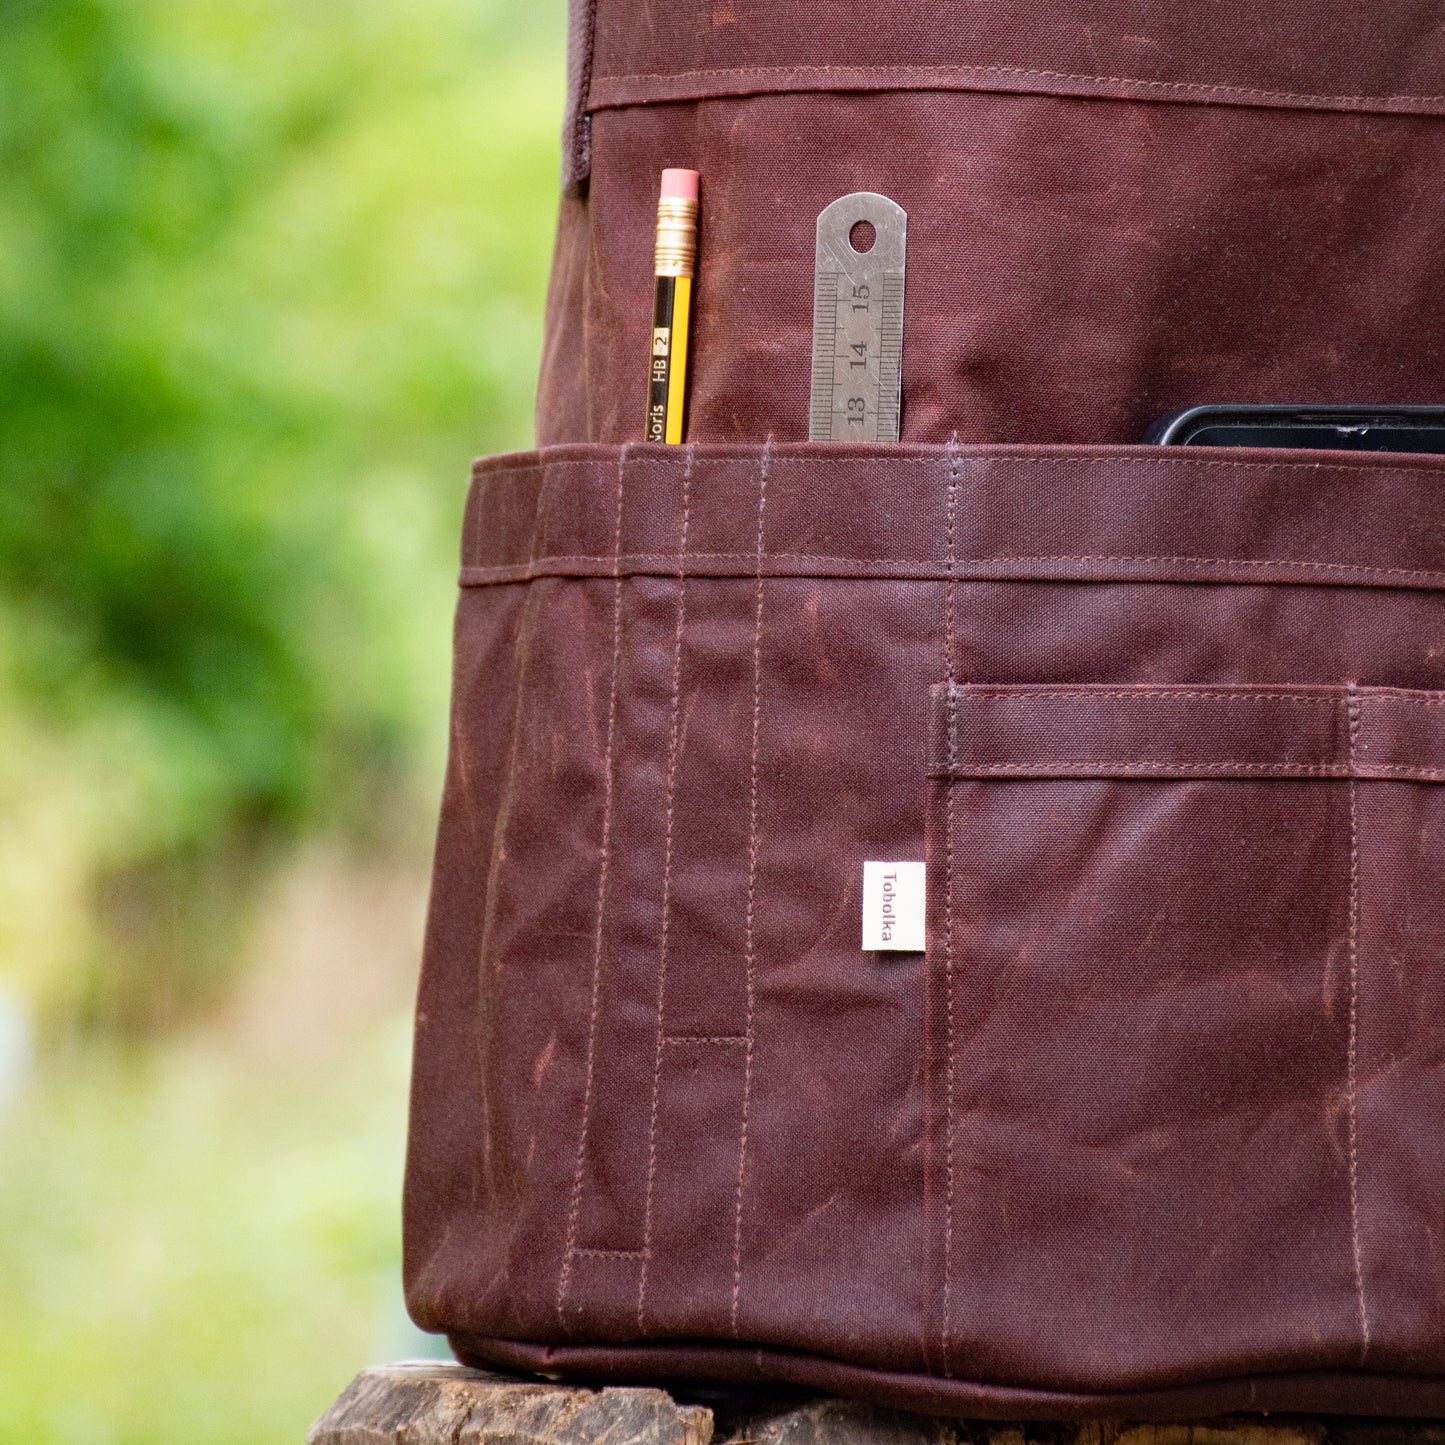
[609, 563]
[1365, 772]
[705, 1039]
[786, 460]
[1244, 93]
[609, 1253]
[1043, 692]
[973, 770]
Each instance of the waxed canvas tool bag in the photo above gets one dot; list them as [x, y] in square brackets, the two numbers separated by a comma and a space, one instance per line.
[1156, 1124]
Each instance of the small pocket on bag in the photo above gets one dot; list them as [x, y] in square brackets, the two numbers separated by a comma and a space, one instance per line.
[1147, 918]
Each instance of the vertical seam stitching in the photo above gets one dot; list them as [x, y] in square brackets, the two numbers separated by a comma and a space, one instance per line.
[1352, 704]
[582, 122]
[522, 675]
[575, 1210]
[502, 822]
[673, 742]
[950, 666]
[749, 937]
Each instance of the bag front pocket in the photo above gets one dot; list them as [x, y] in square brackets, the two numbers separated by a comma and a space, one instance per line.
[661, 1092]
[1160, 1042]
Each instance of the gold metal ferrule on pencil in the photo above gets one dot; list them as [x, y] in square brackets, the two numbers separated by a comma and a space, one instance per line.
[675, 263]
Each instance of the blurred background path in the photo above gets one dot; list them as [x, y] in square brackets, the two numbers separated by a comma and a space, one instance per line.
[270, 275]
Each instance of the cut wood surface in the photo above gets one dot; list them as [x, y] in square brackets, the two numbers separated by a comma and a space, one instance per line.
[433, 1402]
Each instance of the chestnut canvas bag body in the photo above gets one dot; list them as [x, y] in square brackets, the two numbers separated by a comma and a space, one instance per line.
[1155, 1125]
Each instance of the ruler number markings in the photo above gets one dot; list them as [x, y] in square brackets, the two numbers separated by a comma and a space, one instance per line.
[857, 323]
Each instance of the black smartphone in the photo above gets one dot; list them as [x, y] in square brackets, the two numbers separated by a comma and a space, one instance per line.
[1335, 428]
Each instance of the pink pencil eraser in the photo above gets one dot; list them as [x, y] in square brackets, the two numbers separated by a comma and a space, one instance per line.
[679, 185]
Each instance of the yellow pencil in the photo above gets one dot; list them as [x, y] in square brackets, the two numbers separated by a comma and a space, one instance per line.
[672, 304]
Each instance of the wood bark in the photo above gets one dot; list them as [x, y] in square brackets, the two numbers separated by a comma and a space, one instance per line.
[440, 1403]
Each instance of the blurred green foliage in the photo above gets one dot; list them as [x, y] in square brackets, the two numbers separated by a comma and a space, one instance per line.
[198, 1250]
[269, 275]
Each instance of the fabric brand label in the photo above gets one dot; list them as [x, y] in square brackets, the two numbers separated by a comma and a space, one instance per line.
[893, 907]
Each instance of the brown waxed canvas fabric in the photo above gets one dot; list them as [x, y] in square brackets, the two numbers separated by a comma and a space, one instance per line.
[1156, 1125]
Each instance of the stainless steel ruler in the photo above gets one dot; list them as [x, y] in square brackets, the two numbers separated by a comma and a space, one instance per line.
[858, 321]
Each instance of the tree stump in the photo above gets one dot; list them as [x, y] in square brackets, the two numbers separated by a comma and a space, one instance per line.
[437, 1403]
